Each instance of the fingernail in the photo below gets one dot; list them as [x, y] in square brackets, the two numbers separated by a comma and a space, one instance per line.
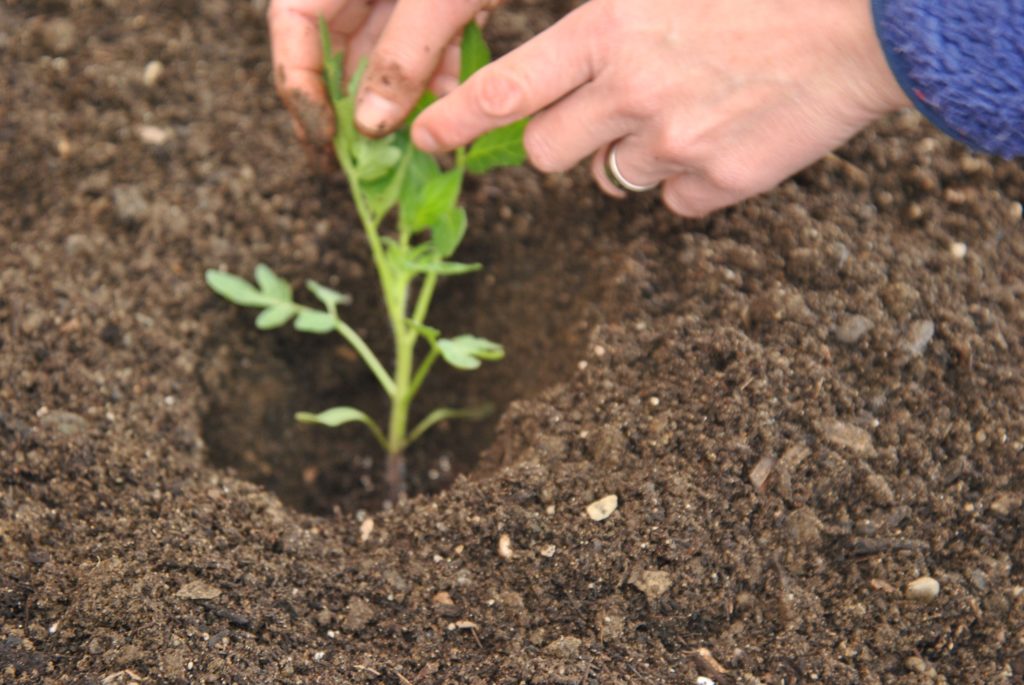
[375, 114]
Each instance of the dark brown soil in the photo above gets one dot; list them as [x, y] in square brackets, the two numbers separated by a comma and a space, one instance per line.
[802, 403]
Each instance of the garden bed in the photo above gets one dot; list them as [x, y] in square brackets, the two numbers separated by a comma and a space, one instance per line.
[802, 403]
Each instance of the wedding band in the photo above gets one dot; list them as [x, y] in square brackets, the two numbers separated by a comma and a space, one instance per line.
[611, 166]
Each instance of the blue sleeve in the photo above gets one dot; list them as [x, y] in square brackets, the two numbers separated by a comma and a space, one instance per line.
[962, 64]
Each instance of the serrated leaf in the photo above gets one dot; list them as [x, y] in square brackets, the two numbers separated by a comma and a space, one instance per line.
[275, 316]
[475, 53]
[500, 147]
[339, 416]
[328, 296]
[314, 321]
[466, 351]
[447, 232]
[271, 284]
[438, 196]
[235, 289]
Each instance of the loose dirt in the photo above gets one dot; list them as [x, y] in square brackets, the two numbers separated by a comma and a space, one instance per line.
[804, 405]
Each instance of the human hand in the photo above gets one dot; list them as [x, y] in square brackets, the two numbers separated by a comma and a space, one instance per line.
[422, 39]
[716, 100]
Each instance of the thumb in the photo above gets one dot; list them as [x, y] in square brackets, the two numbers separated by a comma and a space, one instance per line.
[406, 58]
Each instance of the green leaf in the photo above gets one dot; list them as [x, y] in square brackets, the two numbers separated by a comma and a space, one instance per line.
[475, 53]
[235, 289]
[271, 284]
[421, 170]
[466, 351]
[275, 316]
[444, 413]
[315, 321]
[437, 198]
[339, 416]
[448, 231]
[374, 159]
[382, 193]
[442, 268]
[500, 147]
[328, 296]
[428, 332]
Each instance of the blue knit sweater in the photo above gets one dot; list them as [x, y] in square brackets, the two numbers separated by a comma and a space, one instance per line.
[962, 64]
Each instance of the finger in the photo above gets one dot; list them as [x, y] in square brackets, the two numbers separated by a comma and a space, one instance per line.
[638, 161]
[694, 195]
[361, 45]
[526, 80]
[446, 78]
[560, 136]
[599, 171]
[297, 58]
[406, 58]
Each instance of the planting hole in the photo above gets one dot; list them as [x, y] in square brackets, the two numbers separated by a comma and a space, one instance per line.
[539, 295]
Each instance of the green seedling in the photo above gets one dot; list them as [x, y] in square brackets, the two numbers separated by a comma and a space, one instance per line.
[385, 175]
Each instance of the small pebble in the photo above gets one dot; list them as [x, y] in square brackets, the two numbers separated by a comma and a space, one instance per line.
[153, 135]
[853, 328]
[152, 72]
[366, 529]
[958, 250]
[919, 334]
[601, 509]
[64, 422]
[842, 434]
[564, 647]
[505, 546]
[198, 589]
[916, 664]
[923, 589]
[652, 583]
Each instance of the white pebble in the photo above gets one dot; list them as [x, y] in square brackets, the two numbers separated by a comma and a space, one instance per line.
[505, 546]
[601, 509]
[923, 589]
[958, 250]
[152, 72]
[365, 529]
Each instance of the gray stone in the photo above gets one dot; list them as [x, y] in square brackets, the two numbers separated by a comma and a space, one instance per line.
[64, 422]
[130, 205]
[919, 334]
[852, 328]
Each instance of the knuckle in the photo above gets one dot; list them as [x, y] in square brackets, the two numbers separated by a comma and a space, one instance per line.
[541, 151]
[499, 94]
[681, 203]
[731, 175]
[389, 74]
[671, 145]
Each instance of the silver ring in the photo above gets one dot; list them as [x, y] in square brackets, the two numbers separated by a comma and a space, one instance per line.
[611, 166]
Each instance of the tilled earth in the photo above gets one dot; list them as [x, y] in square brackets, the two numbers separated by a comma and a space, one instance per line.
[803, 404]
